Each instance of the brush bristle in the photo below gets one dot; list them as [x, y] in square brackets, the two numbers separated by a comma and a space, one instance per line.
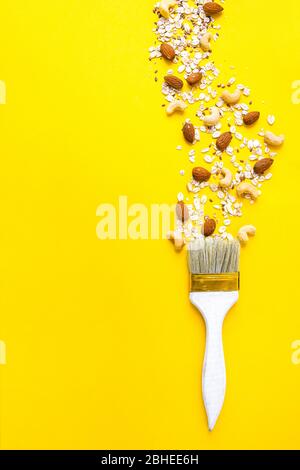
[213, 256]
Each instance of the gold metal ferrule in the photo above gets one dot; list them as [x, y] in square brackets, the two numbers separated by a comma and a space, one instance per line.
[215, 282]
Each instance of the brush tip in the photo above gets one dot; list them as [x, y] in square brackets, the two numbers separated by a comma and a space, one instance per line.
[213, 255]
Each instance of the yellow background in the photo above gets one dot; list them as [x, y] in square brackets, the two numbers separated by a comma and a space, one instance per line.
[103, 348]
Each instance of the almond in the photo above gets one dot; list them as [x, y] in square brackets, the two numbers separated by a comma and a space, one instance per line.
[209, 227]
[182, 212]
[174, 82]
[263, 165]
[251, 118]
[189, 132]
[212, 8]
[200, 174]
[167, 51]
[223, 141]
[194, 78]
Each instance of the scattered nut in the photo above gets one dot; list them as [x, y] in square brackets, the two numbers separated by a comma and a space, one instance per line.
[205, 41]
[200, 174]
[231, 98]
[176, 105]
[223, 141]
[226, 181]
[209, 227]
[167, 51]
[194, 78]
[251, 118]
[244, 232]
[273, 139]
[247, 190]
[182, 212]
[174, 82]
[213, 118]
[189, 132]
[262, 165]
[212, 8]
[177, 239]
[164, 8]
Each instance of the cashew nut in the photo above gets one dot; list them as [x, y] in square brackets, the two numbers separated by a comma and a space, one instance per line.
[176, 105]
[225, 182]
[273, 139]
[205, 41]
[165, 6]
[247, 190]
[231, 98]
[245, 231]
[213, 118]
[177, 239]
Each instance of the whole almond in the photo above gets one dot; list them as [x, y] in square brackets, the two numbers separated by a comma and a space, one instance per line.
[194, 78]
[212, 8]
[167, 51]
[200, 174]
[209, 227]
[174, 82]
[251, 118]
[262, 165]
[223, 141]
[189, 132]
[182, 212]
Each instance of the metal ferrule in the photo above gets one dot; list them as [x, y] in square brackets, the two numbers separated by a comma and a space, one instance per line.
[215, 282]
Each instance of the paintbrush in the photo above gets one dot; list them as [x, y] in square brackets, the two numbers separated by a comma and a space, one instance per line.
[214, 268]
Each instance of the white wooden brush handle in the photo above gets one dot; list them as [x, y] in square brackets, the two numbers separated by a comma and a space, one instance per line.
[214, 371]
[213, 307]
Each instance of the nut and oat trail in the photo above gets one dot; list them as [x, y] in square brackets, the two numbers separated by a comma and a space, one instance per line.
[235, 167]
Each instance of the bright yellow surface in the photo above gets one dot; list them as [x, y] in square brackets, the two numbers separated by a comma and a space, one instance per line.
[103, 348]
